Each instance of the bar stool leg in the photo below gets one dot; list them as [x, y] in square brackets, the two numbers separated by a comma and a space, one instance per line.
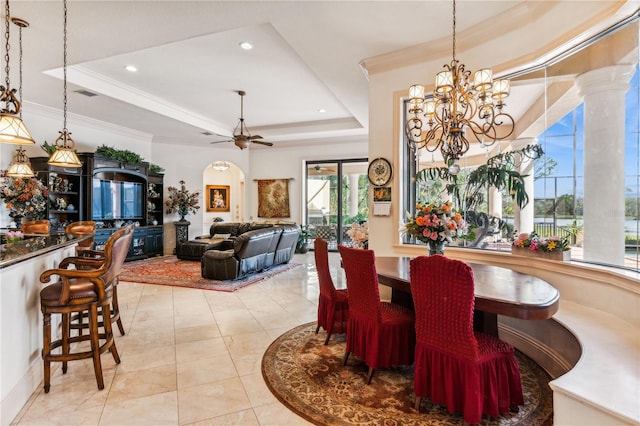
[66, 332]
[46, 350]
[108, 330]
[116, 308]
[95, 344]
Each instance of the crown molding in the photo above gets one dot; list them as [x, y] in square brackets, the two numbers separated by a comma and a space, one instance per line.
[56, 114]
[98, 83]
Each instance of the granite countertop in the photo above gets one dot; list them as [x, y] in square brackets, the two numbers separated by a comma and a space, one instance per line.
[13, 253]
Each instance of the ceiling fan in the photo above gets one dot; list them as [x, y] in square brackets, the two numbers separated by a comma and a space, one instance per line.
[241, 135]
[320, 170]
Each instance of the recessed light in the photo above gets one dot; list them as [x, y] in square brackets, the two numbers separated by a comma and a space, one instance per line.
[322, 110]
[131, 68]
[246, 45]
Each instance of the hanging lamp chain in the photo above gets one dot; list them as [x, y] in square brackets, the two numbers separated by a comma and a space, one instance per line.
[64, 67]
[6, 43]
[20, 73]
[454, 30]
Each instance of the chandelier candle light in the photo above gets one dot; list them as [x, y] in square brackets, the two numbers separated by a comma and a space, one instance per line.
[460, 109]
[65, 154]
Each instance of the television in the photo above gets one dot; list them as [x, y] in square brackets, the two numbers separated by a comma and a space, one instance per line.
[114, 199]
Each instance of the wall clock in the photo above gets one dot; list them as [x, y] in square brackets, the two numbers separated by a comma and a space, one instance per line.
[379, 172]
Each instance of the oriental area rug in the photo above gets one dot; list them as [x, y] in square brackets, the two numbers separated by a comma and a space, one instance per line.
[309, 378]
[169, 270]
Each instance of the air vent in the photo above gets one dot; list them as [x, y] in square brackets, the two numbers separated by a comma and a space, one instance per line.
[208, 133]
[86, 93]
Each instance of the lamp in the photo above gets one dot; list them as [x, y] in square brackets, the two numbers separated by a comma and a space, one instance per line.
[20, 166]
[12, 128]
[461, 110]
[65, 154]
[220, 166]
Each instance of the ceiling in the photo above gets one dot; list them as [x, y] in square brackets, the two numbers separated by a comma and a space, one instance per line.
[308, 56]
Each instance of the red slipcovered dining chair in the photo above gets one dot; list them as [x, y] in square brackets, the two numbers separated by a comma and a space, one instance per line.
[469, 372]
[382, 334]
[333, 305]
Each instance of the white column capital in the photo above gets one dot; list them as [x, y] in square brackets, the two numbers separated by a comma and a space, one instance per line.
[616, 77]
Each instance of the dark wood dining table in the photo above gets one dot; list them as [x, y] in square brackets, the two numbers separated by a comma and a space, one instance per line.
[498, 291]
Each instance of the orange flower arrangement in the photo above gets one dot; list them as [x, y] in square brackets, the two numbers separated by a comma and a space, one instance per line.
[436, 223]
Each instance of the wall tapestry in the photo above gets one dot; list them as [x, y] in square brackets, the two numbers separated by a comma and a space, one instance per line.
[273, 198]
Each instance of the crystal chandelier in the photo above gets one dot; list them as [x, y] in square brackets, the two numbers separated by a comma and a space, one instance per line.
[65, 153]
[12, 128]
[461, 110]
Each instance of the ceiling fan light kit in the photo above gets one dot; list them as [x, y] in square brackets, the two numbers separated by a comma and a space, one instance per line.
[241, 135]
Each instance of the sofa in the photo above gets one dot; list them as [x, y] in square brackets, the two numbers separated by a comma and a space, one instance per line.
[250, 252]
[221, 234]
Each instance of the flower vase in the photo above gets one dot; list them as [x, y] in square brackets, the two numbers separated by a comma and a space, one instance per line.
[435, 247]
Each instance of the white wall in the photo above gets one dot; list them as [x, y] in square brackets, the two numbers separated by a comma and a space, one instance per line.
[281, 163]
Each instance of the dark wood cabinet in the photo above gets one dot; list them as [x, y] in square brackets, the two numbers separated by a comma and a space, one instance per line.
[110, 192]
[155, 241]
[66, 190]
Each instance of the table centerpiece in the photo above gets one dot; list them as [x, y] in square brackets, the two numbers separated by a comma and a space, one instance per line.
[437, 224]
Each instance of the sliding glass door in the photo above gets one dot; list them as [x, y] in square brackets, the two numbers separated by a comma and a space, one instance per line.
[337, 197]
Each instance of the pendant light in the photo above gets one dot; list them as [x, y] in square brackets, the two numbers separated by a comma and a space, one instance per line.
[20, 166]
[12, 128]
[65, 154]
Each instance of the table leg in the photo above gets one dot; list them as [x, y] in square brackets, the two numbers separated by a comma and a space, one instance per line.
[402, 298]
[485, 322]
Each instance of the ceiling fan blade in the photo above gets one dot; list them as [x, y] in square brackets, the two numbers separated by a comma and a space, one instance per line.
[225, 141]
[255, 137]
[263, 143]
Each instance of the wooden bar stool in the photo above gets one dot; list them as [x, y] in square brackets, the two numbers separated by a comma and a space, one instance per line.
[87, 289]
[84, 249]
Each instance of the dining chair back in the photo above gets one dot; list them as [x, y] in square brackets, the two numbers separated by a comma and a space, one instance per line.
[382, 334]
[38, 227]
[333, 304]
[469, 372]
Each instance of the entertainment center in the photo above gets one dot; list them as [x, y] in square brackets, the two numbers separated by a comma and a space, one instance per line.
[110, 192]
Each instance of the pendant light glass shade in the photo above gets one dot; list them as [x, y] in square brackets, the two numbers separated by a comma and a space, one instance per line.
[65, 153]
[20, 166]
[13, 130]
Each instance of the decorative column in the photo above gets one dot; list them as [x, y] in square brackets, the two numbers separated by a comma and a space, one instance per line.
[182, 231]
[524, 218]
[603, 91]
[353, 194]
[495, 207]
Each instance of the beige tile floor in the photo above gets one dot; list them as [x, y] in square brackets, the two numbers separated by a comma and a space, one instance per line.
[189, 357]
